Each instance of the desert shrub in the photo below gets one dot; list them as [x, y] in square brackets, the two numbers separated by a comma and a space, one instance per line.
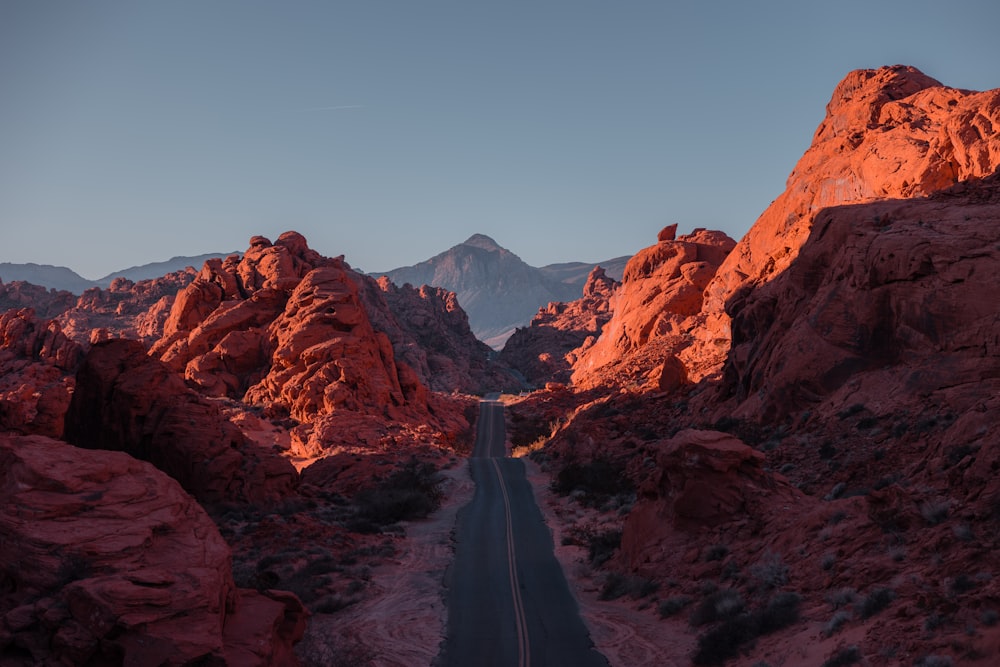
[836, 622]
[716, 552]
[989, 617]
[866, 423]
[842, 597]
[672, 605]
[935, 511]
[595, 482]
[724, 641]
[770, 572]
[844, 657]
[934, 661]
[719, 605]
[851, 411]
[934, 621]
[963, 532]
[876, 601]
[616, 585]
[412, 492]
[962, 584]
[827, 561]
[331, 604]
[780, 611]
[959, 452]
[602, 546]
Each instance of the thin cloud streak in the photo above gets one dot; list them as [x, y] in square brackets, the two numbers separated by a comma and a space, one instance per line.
[336, 108]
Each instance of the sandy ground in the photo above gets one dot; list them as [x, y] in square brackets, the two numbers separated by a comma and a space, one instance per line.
[402, 623]
[627, 636]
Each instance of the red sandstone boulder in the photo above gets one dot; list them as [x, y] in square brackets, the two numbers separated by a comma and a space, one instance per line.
[660, 300]
[125, 400]
[37, 363]
[105, 560]
[703, 479]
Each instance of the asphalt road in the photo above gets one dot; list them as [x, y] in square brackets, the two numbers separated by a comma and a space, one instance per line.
[508, 602]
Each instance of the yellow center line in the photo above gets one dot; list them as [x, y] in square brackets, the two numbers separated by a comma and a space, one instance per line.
[523, 654]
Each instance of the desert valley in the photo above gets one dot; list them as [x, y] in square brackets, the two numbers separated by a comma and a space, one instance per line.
[779, 450]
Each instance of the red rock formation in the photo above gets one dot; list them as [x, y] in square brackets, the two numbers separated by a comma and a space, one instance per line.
[703, 479]
[546, 350]
[430, 333]
[904, 289]
[125, 400]
[888, 133]
[126, 309]
[656, 310]
[47, 303]
[37, 363]
[289, 330]
[105, 560]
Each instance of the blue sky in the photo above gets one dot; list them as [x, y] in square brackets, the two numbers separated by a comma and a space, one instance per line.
[131, 132]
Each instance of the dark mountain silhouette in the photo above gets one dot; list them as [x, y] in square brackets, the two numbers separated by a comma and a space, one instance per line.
[495, 287]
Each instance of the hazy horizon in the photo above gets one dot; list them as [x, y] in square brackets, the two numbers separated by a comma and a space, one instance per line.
[389, 132]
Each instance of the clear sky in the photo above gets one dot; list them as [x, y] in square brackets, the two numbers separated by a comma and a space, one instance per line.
[134, 131]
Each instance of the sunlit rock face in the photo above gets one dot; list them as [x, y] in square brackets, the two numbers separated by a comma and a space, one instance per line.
[291, 331]
[37, 367]
[656, 312]
[888, 133]
[903, 289]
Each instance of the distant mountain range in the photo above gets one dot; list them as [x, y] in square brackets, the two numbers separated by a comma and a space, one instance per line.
[496, 288]
[62, 278]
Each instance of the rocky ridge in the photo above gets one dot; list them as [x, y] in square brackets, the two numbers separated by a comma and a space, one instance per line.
[821, 494]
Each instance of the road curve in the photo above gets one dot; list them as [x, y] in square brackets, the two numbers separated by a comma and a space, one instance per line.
[508, 602]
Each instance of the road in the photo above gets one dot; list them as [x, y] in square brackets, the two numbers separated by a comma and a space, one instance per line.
[508, 602]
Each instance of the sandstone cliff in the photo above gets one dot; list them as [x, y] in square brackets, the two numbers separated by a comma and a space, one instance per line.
[888, 133]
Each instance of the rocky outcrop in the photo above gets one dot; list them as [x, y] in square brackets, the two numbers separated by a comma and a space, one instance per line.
[657, 310]
[37, 367]
[889, 133]
[703, 479]
[293, 332]
[430, 333]
[902, 288]
[124, 309]
[47, 303]
[105, 560]
[126, 401]
[546, 350]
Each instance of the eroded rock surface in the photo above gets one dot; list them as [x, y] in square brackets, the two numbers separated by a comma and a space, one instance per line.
[126, 401]
[105, 560]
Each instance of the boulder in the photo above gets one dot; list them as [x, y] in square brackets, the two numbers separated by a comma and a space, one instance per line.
[106, 560]
[126, 401]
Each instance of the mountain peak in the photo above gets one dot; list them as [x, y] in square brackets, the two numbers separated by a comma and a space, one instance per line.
[482, 241]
